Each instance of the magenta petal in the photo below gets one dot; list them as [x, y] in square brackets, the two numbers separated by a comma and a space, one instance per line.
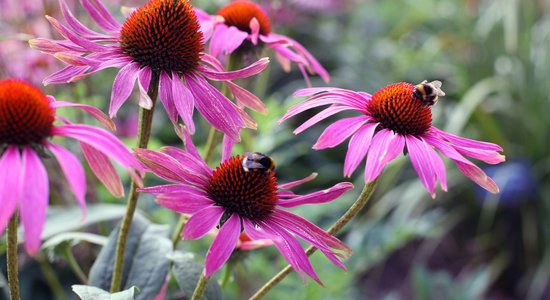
[253, 69]
[189, 161]
[122, 87]
[11, 184]
[166, 96]
[167, 167]
[73, 171]
[101, 15]
[385, 146]
[170, 188]
[332, 110]
[488, 156]
[318, 197]
[226, 39]
[292, 184]
[340, 130]
[247, 98]
[93, 111]
[227, 147]
[464, 142]
[358, 146]
[223, 245]
[184, 102]
[144, 78]
[422, 162]
[187, 202]
[103, 169]
[202, 221]
[34, 199]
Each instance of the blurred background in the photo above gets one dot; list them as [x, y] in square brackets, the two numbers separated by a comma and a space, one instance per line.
[493, 58]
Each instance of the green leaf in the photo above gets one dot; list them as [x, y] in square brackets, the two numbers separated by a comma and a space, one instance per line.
[146, 261]
[86, 292]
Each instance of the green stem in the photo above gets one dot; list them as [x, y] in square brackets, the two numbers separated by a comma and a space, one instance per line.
[74, 265]
[144, 133]
[13, 276]
[339, 224]
[226, 276]
[176, 236]
[51, 277]
[200, 288]
[210, 144]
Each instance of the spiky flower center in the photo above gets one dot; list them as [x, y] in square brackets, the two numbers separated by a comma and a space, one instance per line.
[25, 114]
[396, 108]
[250, 194]
[240, 13]
[163, 35]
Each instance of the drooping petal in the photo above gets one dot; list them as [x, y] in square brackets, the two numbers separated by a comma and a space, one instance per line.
[144, 78]
[171, 188]
[122, 87]
[254, 30]
[358, 146]
[11, 184]
[247, 98]
[338, 131]
[385, 146]
[332, 110]
[227, 147]
[223, 245]
[184, 102]
[103, 169]
[166, 96]
[296, 183]
[188, 160]
[92, 110]
[101, 15]
[464, 142]
[202, 221]
[73, 171]
[422, 163]
[317, 197]
[253, 69]
[34, 199]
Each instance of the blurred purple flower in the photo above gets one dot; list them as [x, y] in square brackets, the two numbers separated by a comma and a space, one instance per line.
[239, 199]
[153, 43]
[393, 120]
[243, 24]
[26, 123]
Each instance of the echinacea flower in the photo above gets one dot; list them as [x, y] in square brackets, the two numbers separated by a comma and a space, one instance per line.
[26, 123]
[239, 197]
[242, 25]
[394, 120]
[159, 43]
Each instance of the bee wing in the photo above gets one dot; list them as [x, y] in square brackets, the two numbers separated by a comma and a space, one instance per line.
[437, 87]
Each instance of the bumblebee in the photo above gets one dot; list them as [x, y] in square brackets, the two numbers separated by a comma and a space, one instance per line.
[428, 92]
[257, 162]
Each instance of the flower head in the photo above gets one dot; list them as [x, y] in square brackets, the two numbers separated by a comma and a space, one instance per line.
[396, 119]
[26, 123]
[158, 44]
[243, 25]
[240, 195]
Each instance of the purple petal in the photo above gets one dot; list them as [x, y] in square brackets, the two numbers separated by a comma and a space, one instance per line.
[11, 184]
[332, 110]
[144, 78]
[73, 171]
[77, 26]
[358, 146]
[488, 156]
[188, 160]
[464, 142]
[254, 30]
[422, 163]
[171, 188]
[227, 147]
[64, 75]
[223, 245]
[186, 202]
[70, 35]
[101, 15]
[296, 183]
[225, 40]
[385, 146]
[122, 87]
[340, 130]
[167, 167]
[184, 102]
[34, 199]
[93, 111]
[253, 69]
[247, 98]
[167, 97]
[202, 221]
[103, 169]
[317, 197]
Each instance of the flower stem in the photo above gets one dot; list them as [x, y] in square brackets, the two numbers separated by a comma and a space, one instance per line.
[13, 279]
[201, 286]
[144, 133]
[210, 144]
[176, 236]
[74, 265]
[51, 277]
[339, 224]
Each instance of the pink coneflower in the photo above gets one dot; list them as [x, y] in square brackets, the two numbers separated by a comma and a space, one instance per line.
[395, 119]
[26, 123]
[159, 43]
[240, 195]
[242, 25]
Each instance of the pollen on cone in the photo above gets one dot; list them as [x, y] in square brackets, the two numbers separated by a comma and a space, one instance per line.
[25, 113]
[395, 108]
[252, 195]
[163, 35]
[239, 14]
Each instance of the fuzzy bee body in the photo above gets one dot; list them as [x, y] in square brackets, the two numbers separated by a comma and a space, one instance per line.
[428, 92]
[257, 162]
